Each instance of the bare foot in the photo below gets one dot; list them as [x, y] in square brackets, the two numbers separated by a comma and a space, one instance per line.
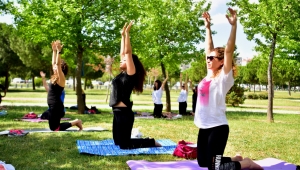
[253, 165]
[157, 144]
[79, 124]
[237, 158]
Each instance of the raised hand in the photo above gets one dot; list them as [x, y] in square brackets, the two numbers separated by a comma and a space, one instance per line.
[206, 17]
[128, 27]
[42, 74]
[53, 45]
[232, 18]
[59, 45]
[123, 30]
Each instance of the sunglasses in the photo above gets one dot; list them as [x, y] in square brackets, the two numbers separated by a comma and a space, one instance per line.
[210, 57]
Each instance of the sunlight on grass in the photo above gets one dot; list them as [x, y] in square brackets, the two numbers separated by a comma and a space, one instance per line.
[250, 134]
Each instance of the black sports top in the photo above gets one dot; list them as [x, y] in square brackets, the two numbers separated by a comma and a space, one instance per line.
[122, 87]
[54, 94]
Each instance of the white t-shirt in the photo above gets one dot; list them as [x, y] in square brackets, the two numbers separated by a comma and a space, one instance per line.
[182, 96]
[211, 106]
[157, 95]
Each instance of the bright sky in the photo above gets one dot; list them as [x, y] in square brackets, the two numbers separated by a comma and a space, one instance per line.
[220, 25]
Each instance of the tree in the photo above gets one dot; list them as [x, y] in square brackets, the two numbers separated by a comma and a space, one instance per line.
[9, 60]
[272, 20]
[35, 57]
[168, 31]
[80, 25]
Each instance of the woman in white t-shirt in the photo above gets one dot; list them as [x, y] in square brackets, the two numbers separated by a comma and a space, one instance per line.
[182, 98]
[156, 97]
[210, 115]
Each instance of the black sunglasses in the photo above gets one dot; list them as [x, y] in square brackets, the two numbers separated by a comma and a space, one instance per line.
[210, 57]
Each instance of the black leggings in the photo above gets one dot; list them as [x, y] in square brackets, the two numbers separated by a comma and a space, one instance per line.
[182, 108]
[122, 126]
[211, 145]
[56, 112]
[157, 113]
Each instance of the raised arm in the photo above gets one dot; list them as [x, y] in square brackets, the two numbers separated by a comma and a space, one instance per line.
[53, 45]
[180, 81]
[186, 83]
[44, 81]
[61, 77]
[122, 50]
[209, 45]
[229, 49]
[128, 52]
[165, 81]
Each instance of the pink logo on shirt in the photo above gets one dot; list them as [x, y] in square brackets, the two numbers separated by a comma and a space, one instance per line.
[203, 92]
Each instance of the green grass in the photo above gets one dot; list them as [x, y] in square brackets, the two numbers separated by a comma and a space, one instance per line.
[250, 133]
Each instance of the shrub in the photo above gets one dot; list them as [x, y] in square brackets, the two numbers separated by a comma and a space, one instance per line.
[38, 82]
[2, 81]
[263, 96]
[250, 96]
[255, 96]
[235, 96]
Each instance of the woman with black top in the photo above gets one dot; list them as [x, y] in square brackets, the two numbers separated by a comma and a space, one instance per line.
[56, 86]
[131, 78]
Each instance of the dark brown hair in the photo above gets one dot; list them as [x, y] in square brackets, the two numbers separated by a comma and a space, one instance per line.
[140, 73]
[158, 85]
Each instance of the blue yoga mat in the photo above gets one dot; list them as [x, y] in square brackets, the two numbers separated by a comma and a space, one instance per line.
[108, 148]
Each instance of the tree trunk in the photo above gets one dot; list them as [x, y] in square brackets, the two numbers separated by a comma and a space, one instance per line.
[254, 88]
[6, 83]
[80, 104]
[270, 81]
[74, 78]
[168, 98]
[85, 81]
[289, 88]
[33, 84]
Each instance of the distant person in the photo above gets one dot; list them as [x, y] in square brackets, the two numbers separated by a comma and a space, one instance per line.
[156, 97]
[210, 115]
[4, 90]
[194, 98]
[183, 95]
[56, 86]
[131, 78]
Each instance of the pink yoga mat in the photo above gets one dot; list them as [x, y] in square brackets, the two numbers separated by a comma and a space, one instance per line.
[41, 120]
[267, 164]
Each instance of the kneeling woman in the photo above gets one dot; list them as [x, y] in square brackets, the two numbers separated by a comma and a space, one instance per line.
[56, 87]
[131, 78]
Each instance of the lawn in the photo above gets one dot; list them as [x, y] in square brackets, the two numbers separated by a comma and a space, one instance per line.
[250, 135]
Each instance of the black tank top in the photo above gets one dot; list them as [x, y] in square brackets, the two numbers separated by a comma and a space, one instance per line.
[54, 94]
[122, 87]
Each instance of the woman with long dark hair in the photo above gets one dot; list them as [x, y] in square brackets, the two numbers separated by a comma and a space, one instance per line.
[156, 97]
[56, 87]
[131, 78]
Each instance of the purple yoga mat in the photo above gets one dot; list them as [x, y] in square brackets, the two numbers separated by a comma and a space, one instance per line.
[41, 120]
[267, 164]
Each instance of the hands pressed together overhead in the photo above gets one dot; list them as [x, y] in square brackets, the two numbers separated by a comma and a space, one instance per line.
[126, 28]
[56, 46]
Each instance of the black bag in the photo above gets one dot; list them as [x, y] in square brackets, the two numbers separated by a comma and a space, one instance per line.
[95, 109]
[45, 115]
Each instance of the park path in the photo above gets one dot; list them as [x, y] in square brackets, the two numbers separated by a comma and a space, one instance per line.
[138, 106]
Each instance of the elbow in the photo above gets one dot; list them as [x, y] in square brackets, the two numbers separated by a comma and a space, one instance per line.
[128, 51]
